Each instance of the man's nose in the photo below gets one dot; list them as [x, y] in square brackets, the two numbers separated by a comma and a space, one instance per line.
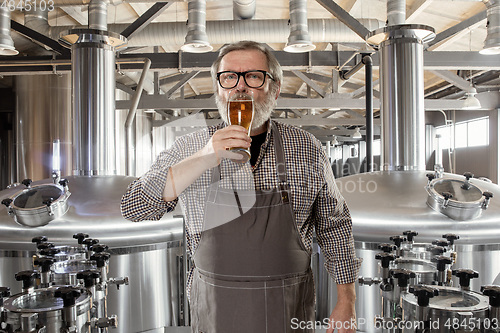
[241, 86]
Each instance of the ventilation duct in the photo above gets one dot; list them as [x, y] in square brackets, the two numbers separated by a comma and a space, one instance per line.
[299, 39]
[98, 15]
[492, 41]
[402, 94]
[396, 12]
[244, 9]
[196, 38]
[6, 43]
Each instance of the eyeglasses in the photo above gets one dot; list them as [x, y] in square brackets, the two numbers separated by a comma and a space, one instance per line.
[253, 79]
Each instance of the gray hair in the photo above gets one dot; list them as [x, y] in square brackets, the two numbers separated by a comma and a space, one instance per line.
[272, 63]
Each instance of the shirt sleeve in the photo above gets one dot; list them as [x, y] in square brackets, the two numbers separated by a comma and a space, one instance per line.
[144, 197]
[333, 227]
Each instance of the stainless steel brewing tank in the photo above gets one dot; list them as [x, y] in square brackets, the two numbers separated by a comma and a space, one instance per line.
[150, 253]
[386, 203]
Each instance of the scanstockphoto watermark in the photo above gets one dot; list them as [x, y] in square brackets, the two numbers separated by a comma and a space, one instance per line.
[358, 185]
[325, 324]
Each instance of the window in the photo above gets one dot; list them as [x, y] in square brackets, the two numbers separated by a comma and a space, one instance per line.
[470, 133]
[376, 148]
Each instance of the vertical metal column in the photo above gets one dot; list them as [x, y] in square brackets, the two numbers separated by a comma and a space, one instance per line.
[402, 100]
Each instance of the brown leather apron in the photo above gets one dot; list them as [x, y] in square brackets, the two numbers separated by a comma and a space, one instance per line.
[253, 273]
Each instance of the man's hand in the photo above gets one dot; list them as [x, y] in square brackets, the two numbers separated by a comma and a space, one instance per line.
[229, 137]
[343, 316]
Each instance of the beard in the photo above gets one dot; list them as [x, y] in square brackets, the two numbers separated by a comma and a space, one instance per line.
[262, 109]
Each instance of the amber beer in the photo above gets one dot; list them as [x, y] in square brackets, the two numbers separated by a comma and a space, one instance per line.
[240, 112]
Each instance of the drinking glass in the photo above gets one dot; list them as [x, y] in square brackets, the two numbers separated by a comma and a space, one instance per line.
[240, 110]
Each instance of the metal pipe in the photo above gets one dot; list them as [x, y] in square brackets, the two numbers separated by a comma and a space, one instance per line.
[130, 169]
[347, 75]
[98, 15]
[367, 60]
[396, 12]
[244, 9]
[6, 43]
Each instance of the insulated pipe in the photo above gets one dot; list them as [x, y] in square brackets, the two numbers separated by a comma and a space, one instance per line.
[244, 9]
[98, 15]
[129, 145]
[367, 60]
[396, 12]
[222, 32]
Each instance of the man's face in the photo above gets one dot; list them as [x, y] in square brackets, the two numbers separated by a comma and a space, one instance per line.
[264, 98]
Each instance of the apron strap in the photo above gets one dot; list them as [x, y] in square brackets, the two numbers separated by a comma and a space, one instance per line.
[280, 159]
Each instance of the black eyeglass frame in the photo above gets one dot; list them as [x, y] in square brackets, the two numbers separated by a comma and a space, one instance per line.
[242, 74]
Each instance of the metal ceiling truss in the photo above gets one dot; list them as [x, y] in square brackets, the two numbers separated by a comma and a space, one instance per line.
[145, 19]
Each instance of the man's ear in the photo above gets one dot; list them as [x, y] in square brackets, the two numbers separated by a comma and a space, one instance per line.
[278, 90]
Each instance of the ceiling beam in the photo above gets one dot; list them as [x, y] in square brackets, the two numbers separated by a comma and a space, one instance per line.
[310, 83]
[416, 9]
[39, 38]
[452, 78]
[345, 17]
[185, 79]
[146, 18]
[457, 30]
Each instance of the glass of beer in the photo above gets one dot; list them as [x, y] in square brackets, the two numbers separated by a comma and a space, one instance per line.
[240, 112]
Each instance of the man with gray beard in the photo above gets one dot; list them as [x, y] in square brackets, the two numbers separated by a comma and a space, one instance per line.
[249, 226]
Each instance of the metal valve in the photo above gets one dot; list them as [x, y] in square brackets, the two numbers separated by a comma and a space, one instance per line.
[385, 258]
[410, 234]
[451, 238]
[436, 250]
[111, 321]
[98, 248]
[28, 278]
[64, 183]
[45, 263]
[388, 248]
[39, 239]
[468, 176]
[441, 262]
[49, 252]
[89, 277]
[403, 276]
[364, 281]
[447, 196]
[45, 245]
[119, 281]
[80, 237]
[27, 182]
[4, 292]
[465, 275]
[440, 242]
[6, 202]
[100, 258]
[68, 294]
[48, 203]
[398, 240]
[423, 294]
[487, 196]
[89, 242]
[430, 177]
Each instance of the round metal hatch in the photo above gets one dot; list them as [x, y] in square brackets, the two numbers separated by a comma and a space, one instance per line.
[38, 205]
[458, 199]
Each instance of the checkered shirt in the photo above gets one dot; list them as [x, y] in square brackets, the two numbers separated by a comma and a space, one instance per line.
[316, 201]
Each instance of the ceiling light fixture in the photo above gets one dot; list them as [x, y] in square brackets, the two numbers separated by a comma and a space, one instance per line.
[471, 102]
[357, 134]
[334, 141]
[492, 41]
[6, 43]
[196, 38]
[299, 39]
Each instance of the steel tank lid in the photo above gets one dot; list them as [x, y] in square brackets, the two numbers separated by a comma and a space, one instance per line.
[94, 209]
[386, 203]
